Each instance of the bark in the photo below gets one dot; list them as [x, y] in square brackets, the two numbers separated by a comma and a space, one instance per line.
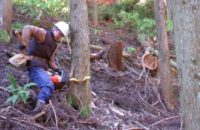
[187, 29]
[95, 13]
[5, 20]
[114, 55]
[165, 74]
[6, 15]
[80, 63]
[116, 2]
[169, 5]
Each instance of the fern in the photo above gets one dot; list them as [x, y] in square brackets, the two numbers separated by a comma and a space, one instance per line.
[18, 92]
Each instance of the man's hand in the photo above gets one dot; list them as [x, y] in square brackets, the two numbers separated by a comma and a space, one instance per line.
[22, 47]
[64, 75]
[59, 71]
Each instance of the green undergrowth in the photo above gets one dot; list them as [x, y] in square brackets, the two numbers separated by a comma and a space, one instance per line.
[4, 36]
[133, 16]
[58, 9]
[18, 93]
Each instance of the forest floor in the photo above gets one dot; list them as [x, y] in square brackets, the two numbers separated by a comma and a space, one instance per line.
[120, 100]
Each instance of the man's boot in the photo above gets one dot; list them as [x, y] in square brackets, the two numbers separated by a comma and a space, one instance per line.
[40, 106]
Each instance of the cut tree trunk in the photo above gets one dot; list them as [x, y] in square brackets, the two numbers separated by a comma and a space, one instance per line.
[113, 55]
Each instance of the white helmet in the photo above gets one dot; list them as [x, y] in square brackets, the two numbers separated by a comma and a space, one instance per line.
[63, 27]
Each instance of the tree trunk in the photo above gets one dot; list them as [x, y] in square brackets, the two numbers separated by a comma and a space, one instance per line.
[165, 74]
[169, 5]
[187, 29]
[116, 2]
[5, 20]
[80, 64]
[95, 13]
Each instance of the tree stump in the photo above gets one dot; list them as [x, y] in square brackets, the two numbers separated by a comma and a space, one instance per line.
[114, 55]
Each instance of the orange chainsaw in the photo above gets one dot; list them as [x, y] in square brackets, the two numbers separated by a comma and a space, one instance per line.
[59, 79]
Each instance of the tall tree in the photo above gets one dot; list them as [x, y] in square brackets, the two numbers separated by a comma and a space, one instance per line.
[5, 19]
[80, 63]
[169, 4]
[115, 2]
[95, 13]
[165, 74]
[187, 41]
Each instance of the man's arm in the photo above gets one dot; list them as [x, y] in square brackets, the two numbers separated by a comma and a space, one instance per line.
[32, 31]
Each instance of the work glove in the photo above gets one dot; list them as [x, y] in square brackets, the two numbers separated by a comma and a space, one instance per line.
[59, 71]
[64, 77]
[22, 47]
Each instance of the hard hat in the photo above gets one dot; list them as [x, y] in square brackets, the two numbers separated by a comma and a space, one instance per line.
[63, 27]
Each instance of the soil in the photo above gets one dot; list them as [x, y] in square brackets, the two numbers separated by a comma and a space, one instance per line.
[120, 100]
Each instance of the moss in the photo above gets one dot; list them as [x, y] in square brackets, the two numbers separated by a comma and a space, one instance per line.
[85, 111]
[4, 36]
[72, 101]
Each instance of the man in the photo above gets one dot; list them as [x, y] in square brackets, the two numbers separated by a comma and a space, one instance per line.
[42, 45]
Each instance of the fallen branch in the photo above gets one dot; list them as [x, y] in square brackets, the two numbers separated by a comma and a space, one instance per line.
[34, 124]
[158, 122]
[6, 118]
[54, 111]
[141, 125]
[4, 89]
[148, 105]
[40, 113]
[98, 48]
[14, 110]
[19, 122]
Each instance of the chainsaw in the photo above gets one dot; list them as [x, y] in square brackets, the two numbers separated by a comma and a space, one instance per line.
[59, 79]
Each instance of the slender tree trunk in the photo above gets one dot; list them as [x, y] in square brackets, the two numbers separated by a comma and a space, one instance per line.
[5, 19]
[169, 5]
[187, 40]
[115, 2]
[95, 13]
[165, 74]
[80, 64]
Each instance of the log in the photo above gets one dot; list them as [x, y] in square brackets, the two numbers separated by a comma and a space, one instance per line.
[172, 63]
[99, 48]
